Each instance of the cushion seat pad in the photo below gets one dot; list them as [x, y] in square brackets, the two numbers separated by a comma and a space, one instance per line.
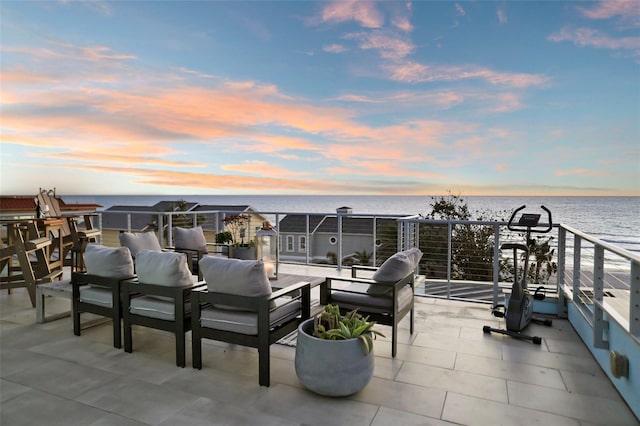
[370, 303]
[97, 295]
[155, 307]
[247, 322]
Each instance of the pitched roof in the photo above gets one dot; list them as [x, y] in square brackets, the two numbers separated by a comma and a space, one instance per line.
[113, 218]
[26, 203]
[329, 224]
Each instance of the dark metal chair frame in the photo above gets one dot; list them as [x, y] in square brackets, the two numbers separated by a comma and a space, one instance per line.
[79, 279]
[179, 326]
[268, 333]
[392, 317]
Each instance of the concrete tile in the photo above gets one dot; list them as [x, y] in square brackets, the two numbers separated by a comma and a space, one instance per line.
[562, 346]
[563, 403]
[437, 357]
[471, 411]
[307, 408]
[526, 373]
[390, 394]
[36, 407]
[390, 417]
[138, 400]
[588, 384]
[454, 381]
[9, 390]
[552, 360]
[485, 347]
[63, 378]
[207, 412]
[15, 360]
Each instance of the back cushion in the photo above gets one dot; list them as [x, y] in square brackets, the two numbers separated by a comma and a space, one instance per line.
[395, 268]
[163, 268]
[139, 241]
[114, 262]
[235, 276]
[190, 238]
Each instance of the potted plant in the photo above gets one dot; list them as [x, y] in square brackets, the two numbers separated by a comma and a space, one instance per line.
[334, 352]
[237, 226]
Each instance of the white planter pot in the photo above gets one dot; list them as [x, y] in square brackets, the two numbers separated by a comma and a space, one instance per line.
[331, 367]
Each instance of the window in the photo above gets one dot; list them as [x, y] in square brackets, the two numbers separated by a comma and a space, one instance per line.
[302, 243]
[290, 243]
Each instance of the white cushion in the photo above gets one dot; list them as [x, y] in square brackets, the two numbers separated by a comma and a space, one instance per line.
[154, 307]
[114, 262]
[247, 322]
[235, 276]
[96, 295]
[139, 241]
[163, 268]
[368, 302]
[190, 238]
[394, 269]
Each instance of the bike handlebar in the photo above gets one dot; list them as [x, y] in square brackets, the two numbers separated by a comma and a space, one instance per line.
[514, 227]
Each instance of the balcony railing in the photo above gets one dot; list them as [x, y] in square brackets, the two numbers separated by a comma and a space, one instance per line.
[462, 259]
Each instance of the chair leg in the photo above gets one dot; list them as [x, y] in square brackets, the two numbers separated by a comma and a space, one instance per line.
[76, 322]
[411, 321]
[128, 337]
[196, 349]
[180, 348]
[264, 361]
[394, 338]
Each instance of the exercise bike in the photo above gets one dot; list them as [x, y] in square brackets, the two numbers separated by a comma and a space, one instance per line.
[519, 312]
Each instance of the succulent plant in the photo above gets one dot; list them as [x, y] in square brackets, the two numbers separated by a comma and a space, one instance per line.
[332, 325]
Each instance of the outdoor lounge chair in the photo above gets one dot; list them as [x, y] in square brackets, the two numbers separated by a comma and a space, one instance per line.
[386, 296]
[139, 241]
[98, 289]
[193, 242]
[159, 298]
[239, 307]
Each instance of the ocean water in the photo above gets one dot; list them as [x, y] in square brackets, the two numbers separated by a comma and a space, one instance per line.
[612, 219]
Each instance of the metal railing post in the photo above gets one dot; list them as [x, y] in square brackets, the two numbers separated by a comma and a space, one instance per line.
[496, 263]
[561, 310]
[600, 324]
[634, 300]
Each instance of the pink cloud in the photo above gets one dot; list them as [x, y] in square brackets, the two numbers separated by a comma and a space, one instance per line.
[502, 15]
[363, 12]
[627, 10]
[334, 48]
[261, 168]
[589, 37]
[413, 72]
[388, 44]
[582, 172]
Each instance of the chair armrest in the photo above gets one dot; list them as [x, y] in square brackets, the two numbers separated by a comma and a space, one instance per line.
[83, 278]
[326, 287]
[252, 303]
[289, 289]
[161, 290]
[218, 248]
[356, 268]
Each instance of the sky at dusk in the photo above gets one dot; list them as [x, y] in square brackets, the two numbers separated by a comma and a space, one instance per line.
[333, 97]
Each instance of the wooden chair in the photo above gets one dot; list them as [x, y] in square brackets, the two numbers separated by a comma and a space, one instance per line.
[98, 289]
[160, 298]
[23, 242]
[238, 307]
[386, 295]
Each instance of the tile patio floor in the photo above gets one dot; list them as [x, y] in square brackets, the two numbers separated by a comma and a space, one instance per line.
[447, 372]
